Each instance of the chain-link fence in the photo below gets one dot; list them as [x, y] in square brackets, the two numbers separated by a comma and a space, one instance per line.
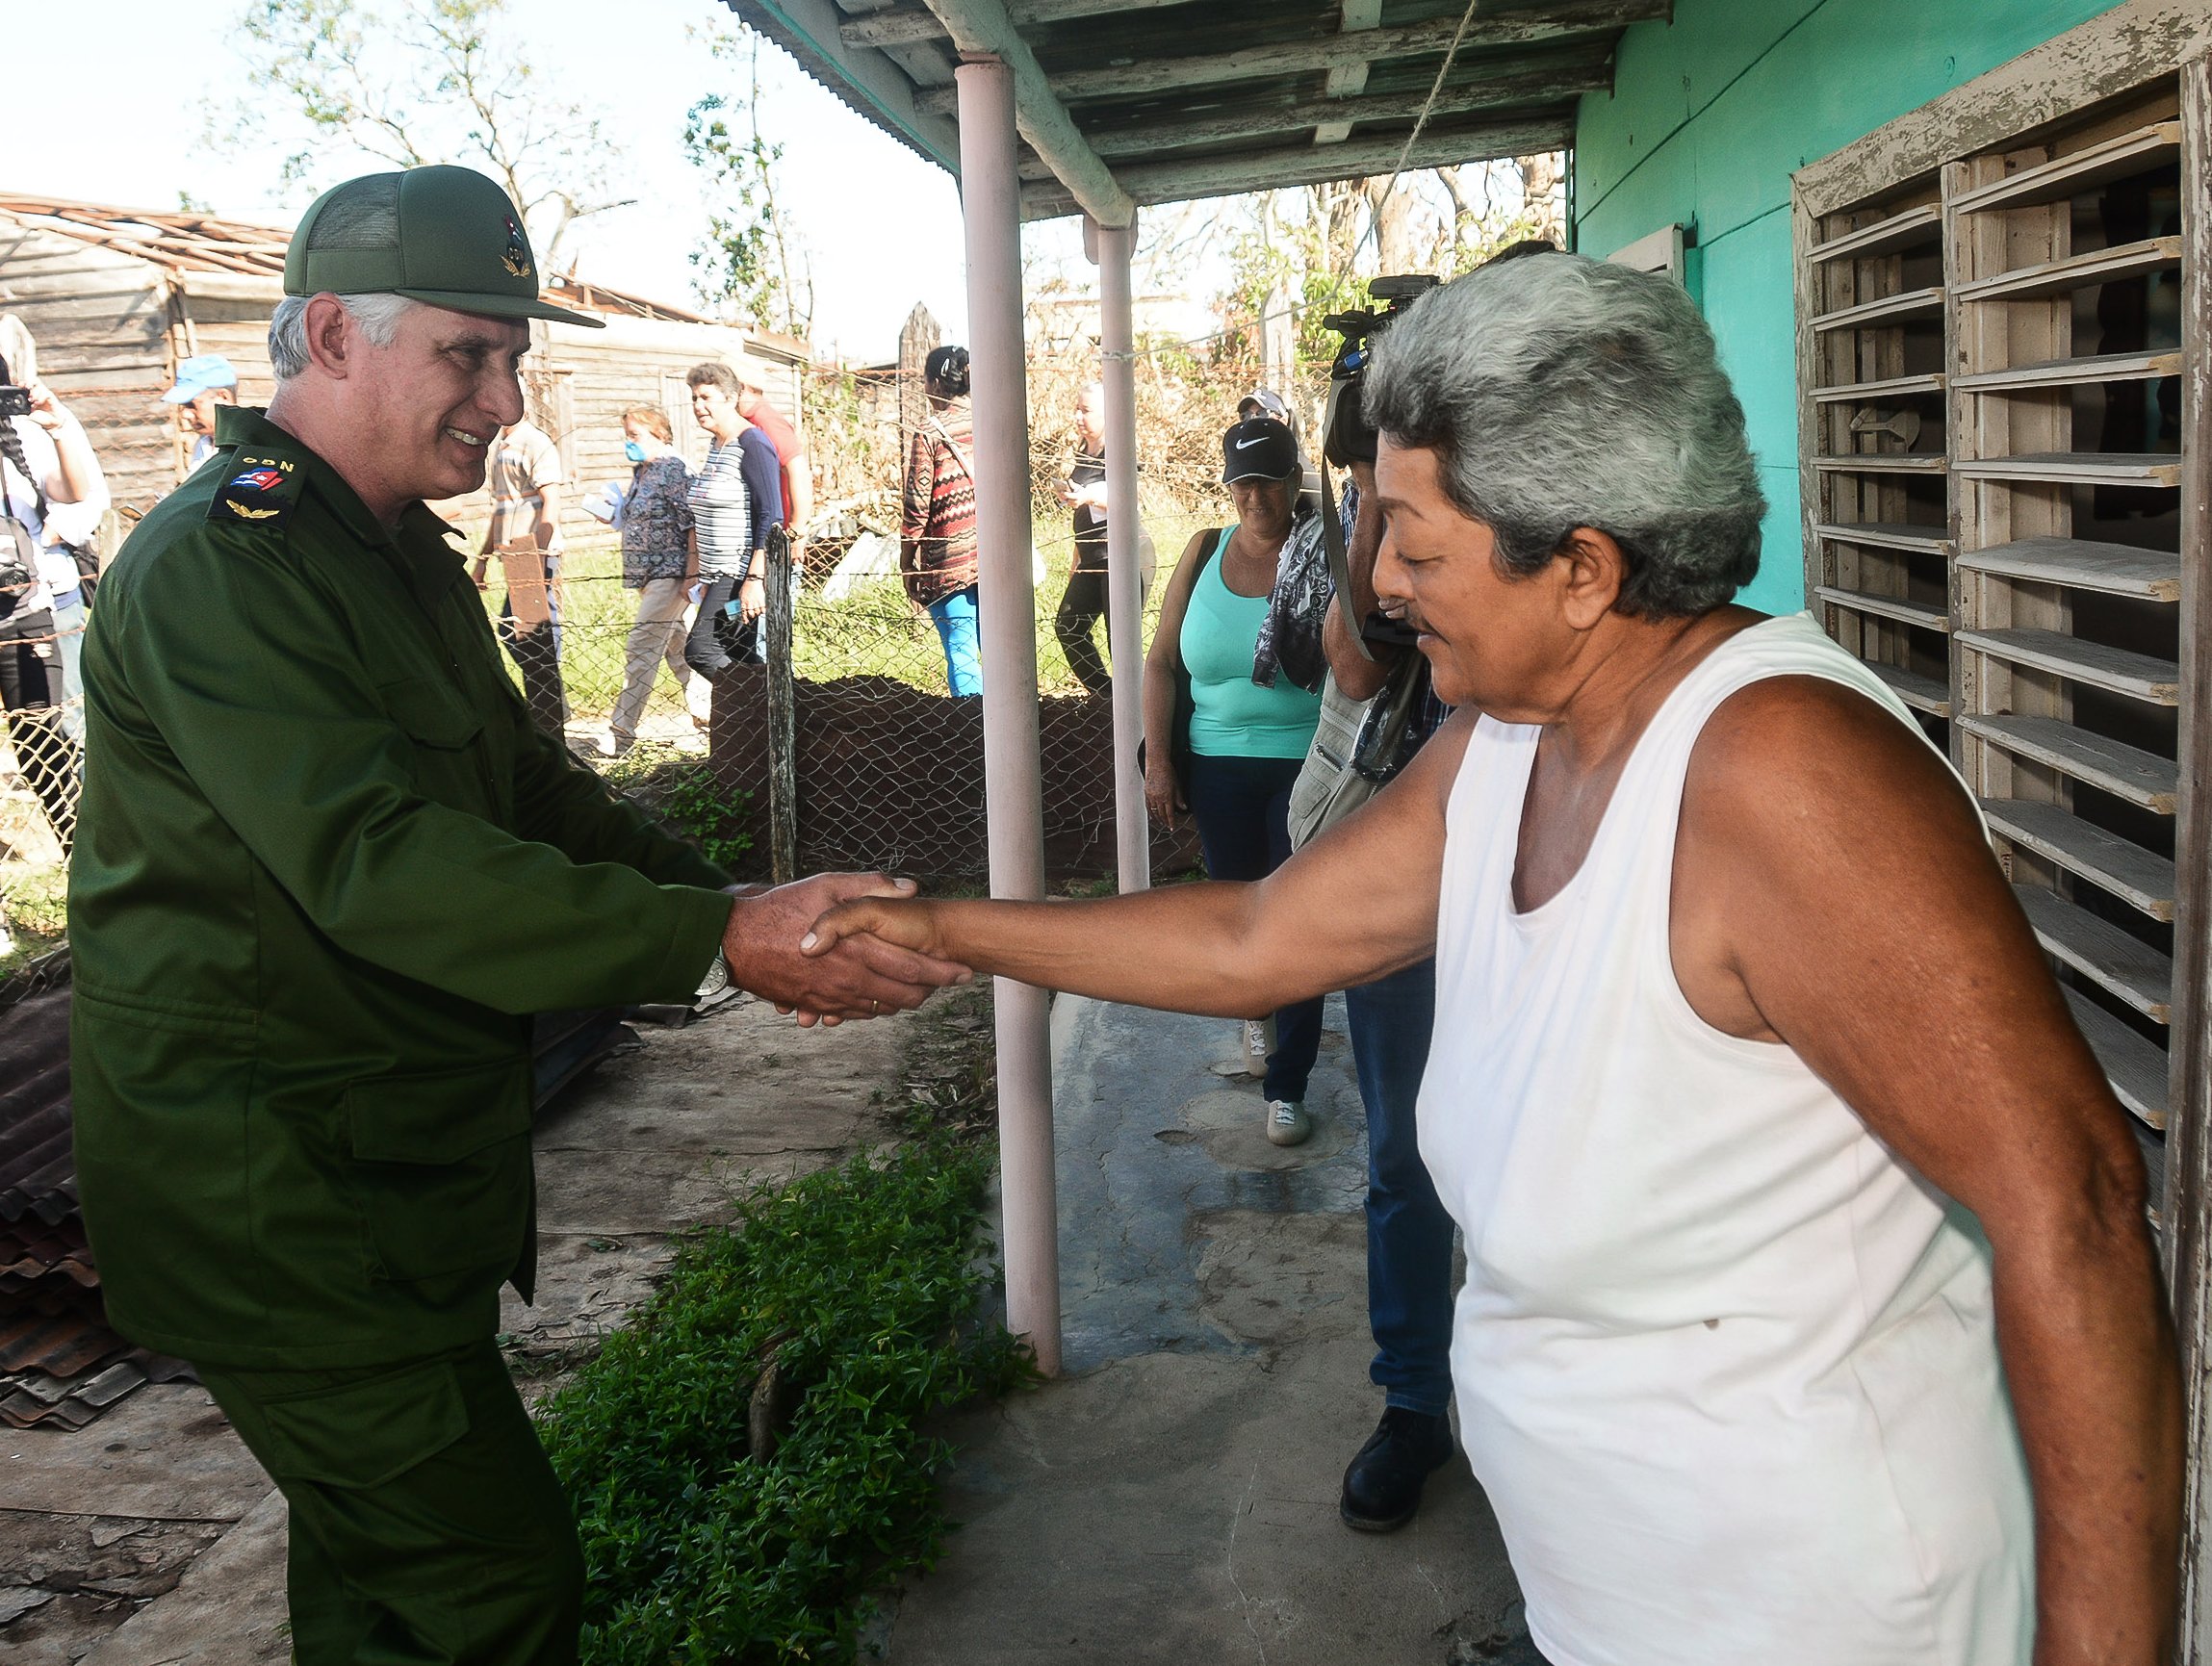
[885, 764]
[41, 758]
[886, 767]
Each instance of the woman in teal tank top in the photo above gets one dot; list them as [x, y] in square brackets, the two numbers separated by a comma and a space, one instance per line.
[1248, 740]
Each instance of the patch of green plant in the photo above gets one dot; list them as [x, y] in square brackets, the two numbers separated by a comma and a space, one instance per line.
[858, 1284]
[684, 791]
[34, 909]
[692, 799]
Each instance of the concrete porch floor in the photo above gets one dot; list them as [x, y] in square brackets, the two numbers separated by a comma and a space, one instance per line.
[1174, 1496]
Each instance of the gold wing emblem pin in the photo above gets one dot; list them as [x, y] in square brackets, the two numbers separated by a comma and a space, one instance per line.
[246, 513]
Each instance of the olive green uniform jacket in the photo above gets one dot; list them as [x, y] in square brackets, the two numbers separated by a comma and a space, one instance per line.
[324, 870]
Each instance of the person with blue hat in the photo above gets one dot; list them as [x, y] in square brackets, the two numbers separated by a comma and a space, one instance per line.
[205, 382]
[326, 868]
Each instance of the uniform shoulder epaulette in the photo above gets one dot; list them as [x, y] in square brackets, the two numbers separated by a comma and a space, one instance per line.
[262, 490]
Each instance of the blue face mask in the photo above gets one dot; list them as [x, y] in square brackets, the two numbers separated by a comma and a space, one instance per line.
[634, 452]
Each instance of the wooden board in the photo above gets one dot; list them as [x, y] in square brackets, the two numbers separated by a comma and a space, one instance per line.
[1926, 303]
[2066, 176]
[1882, 463]
[2073, 373]
[2083, 564]
[1909, 229]
[1897, 607]
[1891, 387]
[2120, 670]
[1921, 693]
[2079, 467]
[1889, 535]
[2128, 772]
[2101, 952]
[2134, 1068]
[2077, 272]
[2139, 877]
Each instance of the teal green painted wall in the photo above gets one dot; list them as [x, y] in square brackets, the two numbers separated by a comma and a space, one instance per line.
[1708, 117]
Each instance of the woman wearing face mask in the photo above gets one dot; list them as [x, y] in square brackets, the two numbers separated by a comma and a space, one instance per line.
[658, 562]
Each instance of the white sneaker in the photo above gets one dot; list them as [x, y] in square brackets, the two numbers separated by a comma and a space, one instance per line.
[1288, 1124]
[1256, 1048]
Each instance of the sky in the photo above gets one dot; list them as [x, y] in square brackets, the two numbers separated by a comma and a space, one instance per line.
[882, 224]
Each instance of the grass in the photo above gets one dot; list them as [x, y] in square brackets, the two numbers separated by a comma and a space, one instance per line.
[860, 1284]
[34, 909]
[873, 632]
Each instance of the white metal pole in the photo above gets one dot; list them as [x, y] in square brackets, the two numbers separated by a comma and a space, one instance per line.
[1125, 581]
[990, 210]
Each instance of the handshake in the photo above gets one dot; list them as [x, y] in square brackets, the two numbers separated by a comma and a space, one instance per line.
[855, 968]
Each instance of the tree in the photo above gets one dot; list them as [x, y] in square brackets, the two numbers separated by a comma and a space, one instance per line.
[412, 81]
[1320, 243]
[751, 261]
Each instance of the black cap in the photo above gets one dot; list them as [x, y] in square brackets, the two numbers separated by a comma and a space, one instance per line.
[1260, 447]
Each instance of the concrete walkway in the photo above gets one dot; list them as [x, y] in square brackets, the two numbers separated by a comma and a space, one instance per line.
[1174, 1497]
[152, 1538]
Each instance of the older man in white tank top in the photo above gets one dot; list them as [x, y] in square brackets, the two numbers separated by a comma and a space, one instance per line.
[1811, 1316]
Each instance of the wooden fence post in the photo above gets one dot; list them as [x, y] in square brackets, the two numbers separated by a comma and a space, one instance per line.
[783, 714]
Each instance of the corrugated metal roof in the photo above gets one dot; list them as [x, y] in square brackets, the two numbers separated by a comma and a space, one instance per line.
[199, 243]
[37, 1171]
[1182, 100]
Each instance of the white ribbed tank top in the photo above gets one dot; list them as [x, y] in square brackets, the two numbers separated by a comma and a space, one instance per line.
[1726, 1367]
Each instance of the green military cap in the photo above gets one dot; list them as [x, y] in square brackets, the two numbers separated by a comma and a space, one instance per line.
[458, 242]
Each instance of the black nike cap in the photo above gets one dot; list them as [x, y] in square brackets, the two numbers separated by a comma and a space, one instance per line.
[1260, 447]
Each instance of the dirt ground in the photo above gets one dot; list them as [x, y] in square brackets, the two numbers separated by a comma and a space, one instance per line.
[152, 1538]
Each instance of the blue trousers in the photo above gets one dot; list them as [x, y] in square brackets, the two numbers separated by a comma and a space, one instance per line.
[1242, 806]
[1408, 1233]
[955, 616]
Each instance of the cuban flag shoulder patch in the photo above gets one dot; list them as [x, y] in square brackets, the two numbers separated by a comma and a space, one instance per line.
[263, 493]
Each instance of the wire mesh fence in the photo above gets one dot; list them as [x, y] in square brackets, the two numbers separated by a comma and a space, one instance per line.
[42, 758]
[885, 764]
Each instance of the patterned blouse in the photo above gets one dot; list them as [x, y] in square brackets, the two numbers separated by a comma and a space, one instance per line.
[656, 522]
[939, 508]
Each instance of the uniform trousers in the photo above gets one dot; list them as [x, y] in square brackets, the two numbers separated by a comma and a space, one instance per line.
[535, 650]
[428, 1527]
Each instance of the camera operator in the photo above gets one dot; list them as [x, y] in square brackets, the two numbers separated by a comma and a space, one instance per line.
[46, 463]
[1409, 1232]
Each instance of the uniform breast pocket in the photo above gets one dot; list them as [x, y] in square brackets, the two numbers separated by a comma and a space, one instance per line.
[431, 713]
[442, 1169]
[443, 731]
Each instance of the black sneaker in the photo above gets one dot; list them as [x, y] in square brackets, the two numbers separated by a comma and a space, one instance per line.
[1382, 1485]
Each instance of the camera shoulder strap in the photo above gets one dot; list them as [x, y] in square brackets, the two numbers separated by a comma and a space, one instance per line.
[1332, 534]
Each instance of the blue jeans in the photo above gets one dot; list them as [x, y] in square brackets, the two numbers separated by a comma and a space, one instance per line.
[1408, 1233]
[954, 616]
[1242, 806]
[70, 643]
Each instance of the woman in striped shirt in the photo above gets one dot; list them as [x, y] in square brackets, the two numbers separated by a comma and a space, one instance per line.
[936, 534]
[735, 498]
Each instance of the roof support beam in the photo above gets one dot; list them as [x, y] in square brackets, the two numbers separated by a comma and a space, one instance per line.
[982, 29]
[1348, 80]
[1299, 164]
[1533, 86]
[1298, 57]
[905, 27]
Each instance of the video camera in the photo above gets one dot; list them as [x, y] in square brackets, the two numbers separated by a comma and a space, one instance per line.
[1349, 439]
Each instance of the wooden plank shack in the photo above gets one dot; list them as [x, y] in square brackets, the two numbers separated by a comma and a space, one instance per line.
[116, 298]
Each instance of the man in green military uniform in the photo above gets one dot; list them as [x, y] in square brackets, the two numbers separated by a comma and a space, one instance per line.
[325, 868]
